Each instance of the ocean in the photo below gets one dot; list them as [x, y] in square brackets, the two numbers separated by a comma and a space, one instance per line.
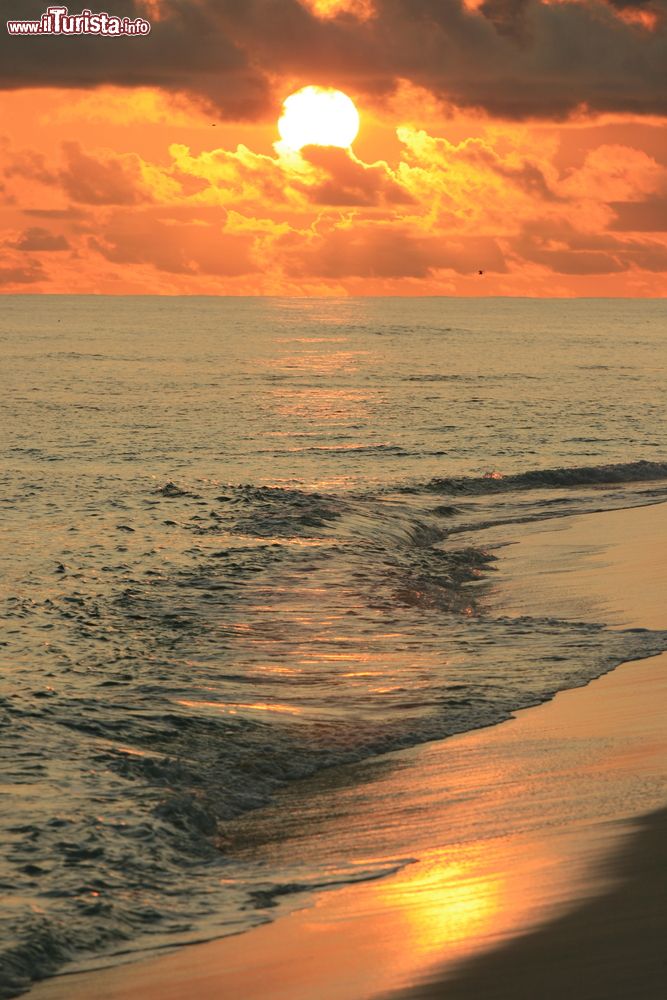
[242, 542]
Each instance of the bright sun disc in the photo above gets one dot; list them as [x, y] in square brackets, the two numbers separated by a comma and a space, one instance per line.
[315, 116]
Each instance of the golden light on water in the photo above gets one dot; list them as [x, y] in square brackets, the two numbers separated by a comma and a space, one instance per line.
[318, 116]
[233, 708]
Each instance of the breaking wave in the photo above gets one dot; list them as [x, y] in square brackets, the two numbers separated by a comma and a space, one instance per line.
[588, 475]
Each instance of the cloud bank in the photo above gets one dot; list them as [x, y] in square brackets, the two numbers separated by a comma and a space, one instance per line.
[515, 59]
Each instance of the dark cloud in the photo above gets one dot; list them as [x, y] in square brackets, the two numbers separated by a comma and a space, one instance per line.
[631, 4]
[188, 50]
[509, 17]
[37, 238]
[514, 58]
[576, 55]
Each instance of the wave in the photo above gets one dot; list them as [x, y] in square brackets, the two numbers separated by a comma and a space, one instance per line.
[588, 475]
[236, 639]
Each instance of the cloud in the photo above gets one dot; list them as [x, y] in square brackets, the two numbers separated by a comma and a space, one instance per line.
[70, 214]
[646, 257]
[647, 216]
[513, 58]
[177, 245]
[21, 274]
[614, 172]
[114, 180]
[576, 262]
[27, 164]
[630, 4]
[386, 251]
[363, 10]
[230, 176]
[103, 178]
[470, 186]
[565, 250]
[37, 239]
[508, 17]
[504, 201]
[188, 49]
[342, 179]
[140, 105]
[317, 175]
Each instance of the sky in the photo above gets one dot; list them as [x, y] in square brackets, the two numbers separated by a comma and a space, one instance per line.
[506, 147]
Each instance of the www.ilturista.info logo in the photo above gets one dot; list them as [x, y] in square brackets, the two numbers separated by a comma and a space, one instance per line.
[59, 21]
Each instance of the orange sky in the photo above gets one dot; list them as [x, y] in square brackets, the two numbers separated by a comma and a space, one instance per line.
[545, 172]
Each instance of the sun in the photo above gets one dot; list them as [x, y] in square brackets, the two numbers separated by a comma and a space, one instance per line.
[318, 116]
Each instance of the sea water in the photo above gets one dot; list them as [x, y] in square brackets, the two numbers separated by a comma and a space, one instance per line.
[238, 546]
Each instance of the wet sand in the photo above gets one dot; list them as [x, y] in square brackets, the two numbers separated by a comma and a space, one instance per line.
[612, 947]
[531, 824]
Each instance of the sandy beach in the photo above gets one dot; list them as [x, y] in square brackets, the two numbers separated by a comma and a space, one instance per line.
[530, 855]
[610, 947]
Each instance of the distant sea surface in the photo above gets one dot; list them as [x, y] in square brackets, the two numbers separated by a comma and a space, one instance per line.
[239, 545]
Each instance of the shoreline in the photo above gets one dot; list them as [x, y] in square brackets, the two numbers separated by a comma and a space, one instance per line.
[509, 825]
